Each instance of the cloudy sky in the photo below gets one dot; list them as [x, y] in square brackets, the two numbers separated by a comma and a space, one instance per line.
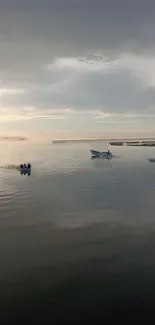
[79, 68]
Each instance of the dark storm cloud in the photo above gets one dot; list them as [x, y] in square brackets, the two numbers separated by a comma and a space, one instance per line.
[33, 33]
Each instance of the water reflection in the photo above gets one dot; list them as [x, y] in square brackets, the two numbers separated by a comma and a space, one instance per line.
[25, 173]
[103, 158]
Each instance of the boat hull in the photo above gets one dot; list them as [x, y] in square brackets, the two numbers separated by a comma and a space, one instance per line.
[25, 170]
[101, 154]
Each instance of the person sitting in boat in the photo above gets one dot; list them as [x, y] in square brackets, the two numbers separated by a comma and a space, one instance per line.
[108, 152]
[21, 166]
[29, 165]
[24, 166]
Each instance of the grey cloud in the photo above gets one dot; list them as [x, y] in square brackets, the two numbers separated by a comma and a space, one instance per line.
[33, 32]
[112, 92]
[116, 91]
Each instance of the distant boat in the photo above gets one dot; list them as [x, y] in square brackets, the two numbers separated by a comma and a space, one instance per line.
[25, 169]
[106, 154]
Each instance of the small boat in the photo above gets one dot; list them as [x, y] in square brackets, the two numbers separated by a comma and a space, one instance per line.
[25, 170]
[104, 154]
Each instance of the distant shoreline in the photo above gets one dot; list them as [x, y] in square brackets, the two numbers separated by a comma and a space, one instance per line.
[136, 141]
[13, 138]
[112, 141]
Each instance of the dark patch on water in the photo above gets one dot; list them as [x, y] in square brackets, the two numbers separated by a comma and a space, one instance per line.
[57, 270]
[101, 275]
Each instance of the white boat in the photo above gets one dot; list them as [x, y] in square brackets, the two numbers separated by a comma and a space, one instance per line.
[104, 154]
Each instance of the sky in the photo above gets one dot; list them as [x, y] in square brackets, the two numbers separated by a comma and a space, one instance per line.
[77, 68]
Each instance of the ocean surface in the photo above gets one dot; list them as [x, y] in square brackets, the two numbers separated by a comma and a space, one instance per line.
[77, 236]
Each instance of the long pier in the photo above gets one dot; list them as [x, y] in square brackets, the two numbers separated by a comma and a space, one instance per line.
[133, 143]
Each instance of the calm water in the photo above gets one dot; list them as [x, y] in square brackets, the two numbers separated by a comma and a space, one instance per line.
[77, 237]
